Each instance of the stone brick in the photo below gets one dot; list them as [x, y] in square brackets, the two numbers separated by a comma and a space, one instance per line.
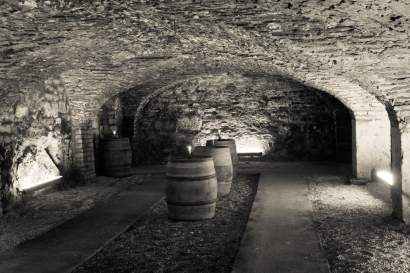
[240, 116]
[353, 51]
[21, 111]
[5, 129]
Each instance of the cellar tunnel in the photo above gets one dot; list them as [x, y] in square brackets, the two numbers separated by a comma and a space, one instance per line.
[89, 86]
[275, 116]
[370, 123]
[292, 113]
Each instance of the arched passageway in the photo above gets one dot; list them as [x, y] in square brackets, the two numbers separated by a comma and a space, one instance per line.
[371, 126]
[275, 116]
[371, 133]
[306, 80]
[371, 123]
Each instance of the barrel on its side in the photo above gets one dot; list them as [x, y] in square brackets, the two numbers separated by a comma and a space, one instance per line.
[223, 165]
[117, 157]
[191, 188]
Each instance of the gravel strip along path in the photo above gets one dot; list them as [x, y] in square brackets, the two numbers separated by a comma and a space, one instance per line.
[356, 228]
[44, 212]
[157, 244]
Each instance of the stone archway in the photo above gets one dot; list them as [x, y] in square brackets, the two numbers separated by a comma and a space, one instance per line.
[269, 114]
[371, 122]
[370, 119]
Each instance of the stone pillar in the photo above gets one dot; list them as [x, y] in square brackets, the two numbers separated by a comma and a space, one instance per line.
[396, 158]
[371, 146]
[404, 175]
[83, 149]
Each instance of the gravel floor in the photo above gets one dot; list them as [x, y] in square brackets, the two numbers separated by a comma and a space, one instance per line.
[158, 244]
[41, 213]
[353, 222]
[356, 229]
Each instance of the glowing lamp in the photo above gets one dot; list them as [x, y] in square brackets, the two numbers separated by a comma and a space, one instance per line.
[189, 148]
[40, 184]
[114, 133]
[386, 177]
[250, 145]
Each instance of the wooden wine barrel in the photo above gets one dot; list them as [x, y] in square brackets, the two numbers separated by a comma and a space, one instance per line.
[117, 157]
[223, 165]
[226, 142]
[234, 155]
[191, 188]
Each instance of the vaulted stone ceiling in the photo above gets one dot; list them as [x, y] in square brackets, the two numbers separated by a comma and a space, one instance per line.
[104, 47]
[61, 60]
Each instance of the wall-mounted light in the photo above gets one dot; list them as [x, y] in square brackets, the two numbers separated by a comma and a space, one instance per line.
[40, 184]
[386, 176]
[189, 148]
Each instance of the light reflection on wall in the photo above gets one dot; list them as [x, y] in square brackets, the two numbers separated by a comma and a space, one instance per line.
[244, 143]
[37, 175]
[35, 166]
[386, 177]
[251, 144]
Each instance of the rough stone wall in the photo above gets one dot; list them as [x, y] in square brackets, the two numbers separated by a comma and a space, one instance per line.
[35, 137]
[130, 102]
[103, 48]
[85, 143]
[111, 118]
[276, 116]
[106, 42]
[356, 50]
[118, 112]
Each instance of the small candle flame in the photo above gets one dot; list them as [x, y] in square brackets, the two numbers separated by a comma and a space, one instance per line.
[189, 147]
[114, 132]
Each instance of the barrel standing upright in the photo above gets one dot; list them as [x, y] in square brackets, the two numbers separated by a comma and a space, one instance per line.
[191, 188]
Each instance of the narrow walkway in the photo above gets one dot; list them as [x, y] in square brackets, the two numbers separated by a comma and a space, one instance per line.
[66, 246]
[280, 237]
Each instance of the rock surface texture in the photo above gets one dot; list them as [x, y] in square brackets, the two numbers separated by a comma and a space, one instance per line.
[278, 117]
[71, 56]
